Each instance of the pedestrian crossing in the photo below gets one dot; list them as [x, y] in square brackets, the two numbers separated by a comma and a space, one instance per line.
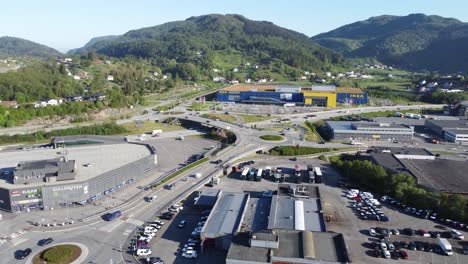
[135, 222]
[2, 241]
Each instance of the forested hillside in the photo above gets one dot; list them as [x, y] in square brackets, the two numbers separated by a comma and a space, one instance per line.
[199, 44]
[10, 46]
[415, 41]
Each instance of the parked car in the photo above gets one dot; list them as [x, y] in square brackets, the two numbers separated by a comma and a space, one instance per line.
[189, 254]
[412, 245]
[403, 254]
[44, 242]
[408, 231]
[372, 232]
[152, 260]
[395, 232]
[182, 224]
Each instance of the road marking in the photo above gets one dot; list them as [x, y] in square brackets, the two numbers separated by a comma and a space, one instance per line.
[111, 226]
[135, 222]
[127, 232]
[18, 241]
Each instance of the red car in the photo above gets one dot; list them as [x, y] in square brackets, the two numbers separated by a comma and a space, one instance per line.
[403, 254]
[357, 198]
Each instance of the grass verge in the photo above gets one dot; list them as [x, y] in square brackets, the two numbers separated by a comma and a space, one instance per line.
[271, 137]
[184, 169]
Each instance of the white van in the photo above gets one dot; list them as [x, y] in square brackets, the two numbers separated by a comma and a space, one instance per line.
[198, 175]
[143, 252]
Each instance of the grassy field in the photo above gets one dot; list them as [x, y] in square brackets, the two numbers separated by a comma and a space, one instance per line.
[222, 117]
[148, 126]
[61, 254]
[255, 118]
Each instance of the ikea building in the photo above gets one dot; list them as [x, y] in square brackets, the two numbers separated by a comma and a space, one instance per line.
[316, 95]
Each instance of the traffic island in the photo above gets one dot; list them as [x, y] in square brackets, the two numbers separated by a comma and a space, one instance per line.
[272, 138]
[60, 254]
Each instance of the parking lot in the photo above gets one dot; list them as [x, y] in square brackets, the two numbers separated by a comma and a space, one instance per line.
[341, 218]
[170, 239]
[338, 214]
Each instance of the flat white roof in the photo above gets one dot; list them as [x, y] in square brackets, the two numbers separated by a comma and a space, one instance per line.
[102, 158]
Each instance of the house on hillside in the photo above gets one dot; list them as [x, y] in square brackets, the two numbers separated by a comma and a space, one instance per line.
[110, 77]
[48, 102]
[74, 98]
[13, 104]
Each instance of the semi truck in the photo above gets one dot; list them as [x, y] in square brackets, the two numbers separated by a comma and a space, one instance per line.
[252, 174]
[244, 173]
[445, 246]
[259, 175]
[278, 175]
[318, 175]
[267, 172]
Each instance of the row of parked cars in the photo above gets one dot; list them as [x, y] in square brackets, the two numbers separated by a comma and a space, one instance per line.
[189, 250]
[425, 214]
[365, 206]
[144, 237]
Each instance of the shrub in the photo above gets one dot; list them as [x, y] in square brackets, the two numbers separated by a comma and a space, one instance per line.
[57, 254]
[296, 150]
[271, 137]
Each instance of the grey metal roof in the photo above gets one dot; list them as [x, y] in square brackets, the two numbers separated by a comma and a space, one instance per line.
[282, 214]
[208, 197]
[328, 88]
[440, 174]
[449, 124]
[226, 215]
[388, 161]
[405, 151]
[240, 249]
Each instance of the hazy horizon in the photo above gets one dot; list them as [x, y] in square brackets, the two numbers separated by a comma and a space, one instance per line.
[64, 25]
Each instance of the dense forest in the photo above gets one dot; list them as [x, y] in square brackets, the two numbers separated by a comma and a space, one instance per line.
[11, 46]
[194, 43]
[415, 41]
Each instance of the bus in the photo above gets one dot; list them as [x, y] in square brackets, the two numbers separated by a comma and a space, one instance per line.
[244, 173]
[259, 175]
[318, 175]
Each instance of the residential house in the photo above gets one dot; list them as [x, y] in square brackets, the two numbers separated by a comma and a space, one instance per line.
[13, 104]
[110, 77]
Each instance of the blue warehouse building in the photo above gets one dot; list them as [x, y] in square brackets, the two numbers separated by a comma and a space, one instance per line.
[283, 94]
[346, 96]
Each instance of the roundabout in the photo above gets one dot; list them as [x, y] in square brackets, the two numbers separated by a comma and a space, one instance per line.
[62, 253]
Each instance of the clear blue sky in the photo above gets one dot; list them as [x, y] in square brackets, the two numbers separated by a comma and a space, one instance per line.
[70, 24]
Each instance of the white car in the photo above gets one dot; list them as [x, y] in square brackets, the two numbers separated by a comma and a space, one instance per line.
[383, 246]
[143, 252]
[372, 232]
[189, 254]
[155, 226]
[177, 206]
[386, 254]
[185, 249]
[161, 223]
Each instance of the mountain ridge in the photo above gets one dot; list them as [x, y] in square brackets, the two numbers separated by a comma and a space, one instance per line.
[415, 41]
[13, 46]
